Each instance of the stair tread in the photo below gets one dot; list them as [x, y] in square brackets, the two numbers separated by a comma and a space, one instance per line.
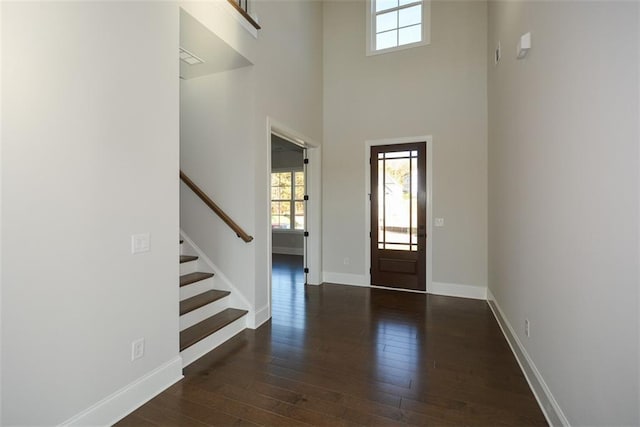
[201, 300]
[209, 326]
[187, 258]
[187, 279]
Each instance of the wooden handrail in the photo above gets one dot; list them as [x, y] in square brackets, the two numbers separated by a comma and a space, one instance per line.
[237, 5]
[207, 201]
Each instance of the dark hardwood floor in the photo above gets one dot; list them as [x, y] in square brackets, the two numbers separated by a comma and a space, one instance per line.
[339, 355]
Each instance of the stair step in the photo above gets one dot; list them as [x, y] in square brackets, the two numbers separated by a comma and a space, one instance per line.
[190, 278]
[187, 258]
[209, 326]
[201, 300]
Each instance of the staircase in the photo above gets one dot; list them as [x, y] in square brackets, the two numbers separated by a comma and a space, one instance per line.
[207, 318]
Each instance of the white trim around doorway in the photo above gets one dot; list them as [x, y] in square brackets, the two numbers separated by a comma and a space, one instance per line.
[367, 214]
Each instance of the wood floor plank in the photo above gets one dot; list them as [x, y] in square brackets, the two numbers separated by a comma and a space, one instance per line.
[337, 355]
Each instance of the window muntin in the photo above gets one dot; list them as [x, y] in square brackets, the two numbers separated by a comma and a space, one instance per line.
[397, 24]
[287, 200]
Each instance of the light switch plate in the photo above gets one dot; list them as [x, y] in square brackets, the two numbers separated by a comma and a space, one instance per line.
[140, 243]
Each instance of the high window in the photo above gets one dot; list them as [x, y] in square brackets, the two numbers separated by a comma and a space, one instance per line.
[287, 200]
[396, 24]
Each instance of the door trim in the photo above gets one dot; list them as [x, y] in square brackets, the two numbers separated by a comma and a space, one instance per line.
[367, 211]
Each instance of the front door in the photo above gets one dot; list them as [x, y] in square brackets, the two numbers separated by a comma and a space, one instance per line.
[398, 216]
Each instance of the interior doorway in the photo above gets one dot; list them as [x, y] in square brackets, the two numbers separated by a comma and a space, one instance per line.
[288, 199]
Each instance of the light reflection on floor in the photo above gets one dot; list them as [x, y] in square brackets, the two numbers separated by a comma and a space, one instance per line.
[288, 302]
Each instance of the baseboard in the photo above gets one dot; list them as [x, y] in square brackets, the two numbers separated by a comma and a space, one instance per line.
[344, 279]
[457, 290]
[548, 404]
[126, 400]
[287, 251]
[260, 316]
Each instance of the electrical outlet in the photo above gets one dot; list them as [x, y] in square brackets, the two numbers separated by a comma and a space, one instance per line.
[439, 222]
[527, 328]
[137, 349]
[346, 261]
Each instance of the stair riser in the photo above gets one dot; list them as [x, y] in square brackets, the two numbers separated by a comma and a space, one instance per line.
[196, 316]
[196, 288]
[189, 267]
[199, 349]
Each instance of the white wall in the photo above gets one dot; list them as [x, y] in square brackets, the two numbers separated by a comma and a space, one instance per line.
[437, 90]
[89, 157]
[224, 138]
[563, 205]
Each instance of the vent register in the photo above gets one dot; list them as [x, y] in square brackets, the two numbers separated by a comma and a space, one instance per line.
[189, 58]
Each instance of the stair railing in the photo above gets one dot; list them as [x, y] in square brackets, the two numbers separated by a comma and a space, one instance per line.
[242, 6]
[215, 208]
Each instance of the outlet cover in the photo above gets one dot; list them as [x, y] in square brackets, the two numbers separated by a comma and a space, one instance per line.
[137, 349]
[439, 222]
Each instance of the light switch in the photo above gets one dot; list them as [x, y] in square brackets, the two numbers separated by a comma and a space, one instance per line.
[439, 222]
[140, 243]
[524, 44]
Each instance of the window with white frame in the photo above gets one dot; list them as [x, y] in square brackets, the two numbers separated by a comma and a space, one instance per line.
[287, 200]
[397, 24]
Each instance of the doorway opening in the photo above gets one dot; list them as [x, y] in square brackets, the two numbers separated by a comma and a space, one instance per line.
[288, 199]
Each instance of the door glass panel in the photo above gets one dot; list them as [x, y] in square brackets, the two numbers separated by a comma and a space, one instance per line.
[381, 215]
[397, 201]
[396, 154]
[396, 247]
[414, 200]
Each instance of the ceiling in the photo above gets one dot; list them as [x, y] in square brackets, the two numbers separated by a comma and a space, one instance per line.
[200, 42]
[279, 145]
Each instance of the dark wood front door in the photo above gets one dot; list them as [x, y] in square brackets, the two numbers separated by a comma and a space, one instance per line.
[398, 215]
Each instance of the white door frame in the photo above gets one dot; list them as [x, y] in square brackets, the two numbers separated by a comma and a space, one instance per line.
[367, 223]
[314, 205]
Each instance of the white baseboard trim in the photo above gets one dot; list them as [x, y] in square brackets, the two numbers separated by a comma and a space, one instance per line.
[287, 251]
[344, 279]
[548, 404]
[457, 290]
[260, 316]
[126, 400]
